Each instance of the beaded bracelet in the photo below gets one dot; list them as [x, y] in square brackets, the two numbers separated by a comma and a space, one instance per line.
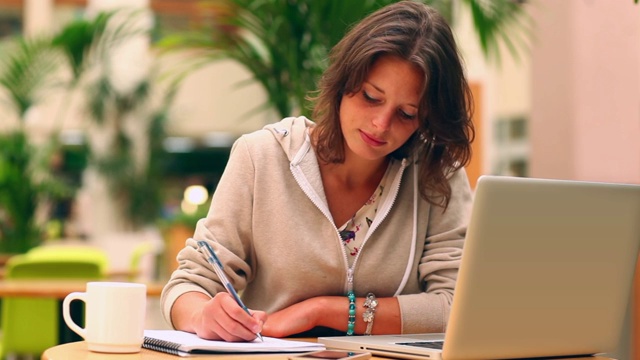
[351, 325]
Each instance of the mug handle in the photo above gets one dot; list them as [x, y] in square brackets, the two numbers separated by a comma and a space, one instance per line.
[66, 313]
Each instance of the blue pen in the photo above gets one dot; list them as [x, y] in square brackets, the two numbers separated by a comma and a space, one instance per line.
[212, 258]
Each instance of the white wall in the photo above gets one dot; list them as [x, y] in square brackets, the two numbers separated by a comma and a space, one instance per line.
[585, 118]
[211, 100]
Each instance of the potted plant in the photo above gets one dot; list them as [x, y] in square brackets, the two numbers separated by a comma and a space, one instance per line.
[29, 70]
[26, 69]
[284, 43]
[133, 183]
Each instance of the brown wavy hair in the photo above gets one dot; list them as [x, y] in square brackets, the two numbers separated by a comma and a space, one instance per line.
[420, 35]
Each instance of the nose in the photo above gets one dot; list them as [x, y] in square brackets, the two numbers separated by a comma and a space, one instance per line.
[382, 120]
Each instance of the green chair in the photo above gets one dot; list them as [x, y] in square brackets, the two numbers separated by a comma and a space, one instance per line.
[71, 253]
[31, 325]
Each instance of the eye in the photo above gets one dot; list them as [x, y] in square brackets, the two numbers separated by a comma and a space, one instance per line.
[368, 97]
[406, 116]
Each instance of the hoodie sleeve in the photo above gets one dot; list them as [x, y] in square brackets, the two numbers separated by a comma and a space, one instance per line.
[227, 228]
[428, 312]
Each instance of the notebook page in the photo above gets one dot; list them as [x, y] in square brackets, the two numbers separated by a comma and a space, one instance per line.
[188, 342]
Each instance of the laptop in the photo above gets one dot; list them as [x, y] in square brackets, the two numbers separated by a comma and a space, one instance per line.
[547, 271]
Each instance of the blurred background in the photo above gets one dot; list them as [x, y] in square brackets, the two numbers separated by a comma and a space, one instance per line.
[117, 116]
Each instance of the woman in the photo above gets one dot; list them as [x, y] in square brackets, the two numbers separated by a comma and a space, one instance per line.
[363, 210]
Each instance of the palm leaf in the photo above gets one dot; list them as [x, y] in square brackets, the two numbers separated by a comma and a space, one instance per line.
[27, 69]
[18, 200]
[499, 21]
[284, 43]
[78, 37]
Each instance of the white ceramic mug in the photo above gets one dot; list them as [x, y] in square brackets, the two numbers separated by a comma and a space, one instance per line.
[114, 316]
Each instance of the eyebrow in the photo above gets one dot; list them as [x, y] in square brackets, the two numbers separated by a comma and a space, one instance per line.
[382, 91]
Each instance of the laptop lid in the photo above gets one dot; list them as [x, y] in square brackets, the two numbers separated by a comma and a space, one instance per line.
[547, 270]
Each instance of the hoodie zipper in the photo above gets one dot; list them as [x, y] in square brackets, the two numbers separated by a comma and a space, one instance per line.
[386, 207]
[315, 199]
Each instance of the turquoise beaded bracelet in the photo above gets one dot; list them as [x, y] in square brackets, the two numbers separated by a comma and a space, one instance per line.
[351, 325]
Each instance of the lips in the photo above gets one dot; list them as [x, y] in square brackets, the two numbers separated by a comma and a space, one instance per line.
[371, 140]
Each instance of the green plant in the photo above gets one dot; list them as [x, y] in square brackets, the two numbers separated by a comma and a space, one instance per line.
[18, 230]
[27, 69]
[26, 75]
[76, 41]
[133, 183]
[30, 69]
[284, 43]
[136, 186]
[24, 186]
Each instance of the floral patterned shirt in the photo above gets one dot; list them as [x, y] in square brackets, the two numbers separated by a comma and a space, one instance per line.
[355, 229]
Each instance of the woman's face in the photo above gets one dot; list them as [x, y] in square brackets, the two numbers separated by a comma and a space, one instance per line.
[380, 118]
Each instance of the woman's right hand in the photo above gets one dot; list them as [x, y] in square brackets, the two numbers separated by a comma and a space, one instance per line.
[218, 318]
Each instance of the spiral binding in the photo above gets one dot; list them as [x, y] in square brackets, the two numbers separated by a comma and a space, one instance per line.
[168, 347]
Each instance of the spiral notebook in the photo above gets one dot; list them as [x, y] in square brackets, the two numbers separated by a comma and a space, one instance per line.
[186, 344]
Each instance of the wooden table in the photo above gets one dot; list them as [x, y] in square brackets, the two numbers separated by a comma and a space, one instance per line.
[111, 275]
[54, 288]
[79, 351]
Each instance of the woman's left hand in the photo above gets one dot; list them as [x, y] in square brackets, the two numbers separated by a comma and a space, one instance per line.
[294, 319]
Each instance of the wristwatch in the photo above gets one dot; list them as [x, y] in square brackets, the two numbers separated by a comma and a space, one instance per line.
[370, 303]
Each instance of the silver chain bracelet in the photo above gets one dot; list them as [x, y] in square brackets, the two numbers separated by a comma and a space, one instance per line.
[370, 303]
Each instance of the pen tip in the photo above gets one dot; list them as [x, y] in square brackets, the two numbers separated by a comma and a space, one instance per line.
[260, 337]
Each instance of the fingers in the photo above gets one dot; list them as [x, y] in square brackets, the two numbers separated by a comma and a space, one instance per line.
[224, 319]
[260, 316]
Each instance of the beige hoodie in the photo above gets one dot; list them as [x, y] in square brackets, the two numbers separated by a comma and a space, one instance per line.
[271, 227]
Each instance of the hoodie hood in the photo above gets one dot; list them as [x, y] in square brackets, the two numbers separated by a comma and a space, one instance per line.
[291, 133]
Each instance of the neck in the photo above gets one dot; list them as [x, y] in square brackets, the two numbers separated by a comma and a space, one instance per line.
[355, 174]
